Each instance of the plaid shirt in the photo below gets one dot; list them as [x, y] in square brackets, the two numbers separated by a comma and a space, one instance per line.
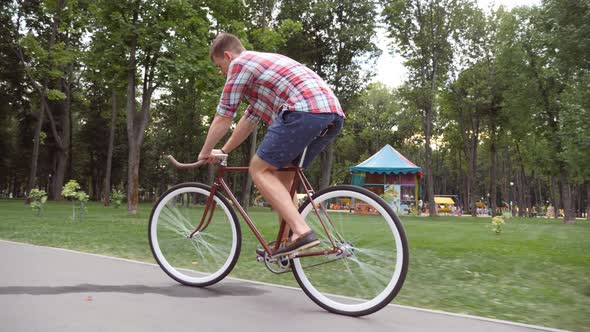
[272, 82]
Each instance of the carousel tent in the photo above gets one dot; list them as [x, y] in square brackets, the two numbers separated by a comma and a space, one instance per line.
[389, 174]
[387, 161]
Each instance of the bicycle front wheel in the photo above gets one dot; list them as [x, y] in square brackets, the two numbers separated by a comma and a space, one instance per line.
[371, 264]
[207, 256]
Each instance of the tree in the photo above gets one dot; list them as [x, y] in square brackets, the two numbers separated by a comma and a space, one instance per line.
[467, 101]
[50, 54]
[552, 68]
[336, 40]
[423, 31]
[374, 118]
[474, 100]
[568, 27]
[106, 68]
[160, 38]
[259, 38]
[575, 133]
[15, 105]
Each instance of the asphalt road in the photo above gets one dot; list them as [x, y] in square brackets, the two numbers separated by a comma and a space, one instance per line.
[50, 290]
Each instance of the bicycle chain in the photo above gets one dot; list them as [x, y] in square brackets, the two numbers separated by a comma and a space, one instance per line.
[305, 267]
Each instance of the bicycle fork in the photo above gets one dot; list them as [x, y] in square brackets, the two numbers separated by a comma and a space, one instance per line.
[208, 213]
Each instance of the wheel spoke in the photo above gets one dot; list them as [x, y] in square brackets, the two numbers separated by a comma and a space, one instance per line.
[372, 271]
[376, 254]
[367, 268]
[176, 220]
[351, 274]
[212, 252]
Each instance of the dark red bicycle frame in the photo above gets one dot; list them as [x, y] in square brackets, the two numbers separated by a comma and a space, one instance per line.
[299, 178]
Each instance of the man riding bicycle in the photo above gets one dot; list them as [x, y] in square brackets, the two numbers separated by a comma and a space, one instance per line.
[300, 109]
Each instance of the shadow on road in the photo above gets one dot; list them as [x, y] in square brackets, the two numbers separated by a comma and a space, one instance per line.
[172, 291]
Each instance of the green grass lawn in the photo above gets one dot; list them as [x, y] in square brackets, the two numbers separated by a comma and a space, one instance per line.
[537, 271]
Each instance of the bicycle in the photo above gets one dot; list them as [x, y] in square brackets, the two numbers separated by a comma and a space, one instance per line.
[358, 268]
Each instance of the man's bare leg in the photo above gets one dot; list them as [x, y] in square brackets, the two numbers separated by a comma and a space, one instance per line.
[274, 191]
[286, 179]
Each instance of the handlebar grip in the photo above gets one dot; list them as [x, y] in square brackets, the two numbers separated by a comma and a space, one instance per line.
[178, 165]
[197, 164]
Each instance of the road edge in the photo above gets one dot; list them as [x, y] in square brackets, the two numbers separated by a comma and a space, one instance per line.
[439, 312]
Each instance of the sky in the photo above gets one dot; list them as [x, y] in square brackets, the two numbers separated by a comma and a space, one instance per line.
[390, 68]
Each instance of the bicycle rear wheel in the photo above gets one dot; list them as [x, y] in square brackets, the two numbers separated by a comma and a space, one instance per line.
[371, 266]
[210, 254]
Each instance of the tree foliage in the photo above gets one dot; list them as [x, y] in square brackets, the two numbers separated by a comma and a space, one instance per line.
[97, 90]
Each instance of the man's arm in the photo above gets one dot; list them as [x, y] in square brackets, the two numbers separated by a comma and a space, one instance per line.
[235, 86]
[242, 131]
[217, 130]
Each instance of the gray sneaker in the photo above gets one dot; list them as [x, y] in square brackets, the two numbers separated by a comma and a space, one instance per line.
[305, 241]
[260, 251]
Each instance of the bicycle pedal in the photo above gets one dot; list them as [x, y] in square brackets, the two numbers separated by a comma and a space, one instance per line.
[260, 259]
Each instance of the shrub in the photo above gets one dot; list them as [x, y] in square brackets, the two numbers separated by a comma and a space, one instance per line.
[82, 198]
[497, 223]
[70, 190]
[78, 198]
[117, 197]
[38, 199]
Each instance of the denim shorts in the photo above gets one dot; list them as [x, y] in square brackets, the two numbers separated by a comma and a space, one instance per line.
[291, 132]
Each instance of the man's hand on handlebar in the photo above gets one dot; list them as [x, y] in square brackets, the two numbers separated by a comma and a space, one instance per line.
[212, 157]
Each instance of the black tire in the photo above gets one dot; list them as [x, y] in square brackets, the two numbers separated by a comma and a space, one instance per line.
[346, 284]
[206, 258]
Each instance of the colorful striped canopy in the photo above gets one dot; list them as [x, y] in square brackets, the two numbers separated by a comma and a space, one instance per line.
[387, 161]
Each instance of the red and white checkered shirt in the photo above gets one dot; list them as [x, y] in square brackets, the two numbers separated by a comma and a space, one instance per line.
[271, 82]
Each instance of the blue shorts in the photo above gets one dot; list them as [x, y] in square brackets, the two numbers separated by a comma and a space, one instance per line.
[292, 131]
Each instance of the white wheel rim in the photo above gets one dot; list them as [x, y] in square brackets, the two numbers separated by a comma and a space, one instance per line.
[398, 266]
[162, 259]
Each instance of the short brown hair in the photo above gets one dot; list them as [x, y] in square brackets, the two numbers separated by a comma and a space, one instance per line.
[225, 42]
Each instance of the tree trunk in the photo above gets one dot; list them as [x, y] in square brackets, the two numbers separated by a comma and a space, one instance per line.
[63, 143]
[44, 106]
[524, 201]
[137, 121]
[554, 198]
[57, 180]
[469, 190]
[493, 171]
[210, 174]
[540, 198]
[504, 187]
[588, 200]
[470, 143]
[577, 198]
[520, 203]
[326, 166]
[246, 193]
[133, 178]
[428, 161]
[35, 157]
[473, 164]
[15, 186]
[68, 88]
[472, 174]
[136, 137]
[460, 175]
[62, 132]
[566, 195]
[428, 119]
[245, 199]
[107, 178]
[134, 153]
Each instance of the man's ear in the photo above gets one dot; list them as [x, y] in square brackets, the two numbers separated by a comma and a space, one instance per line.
[228, 55]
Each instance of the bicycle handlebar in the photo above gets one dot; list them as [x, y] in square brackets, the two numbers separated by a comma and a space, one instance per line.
[196, 164]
